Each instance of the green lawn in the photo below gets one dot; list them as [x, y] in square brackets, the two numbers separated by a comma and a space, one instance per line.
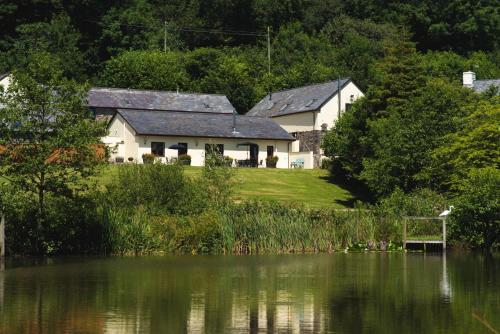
[309, 187]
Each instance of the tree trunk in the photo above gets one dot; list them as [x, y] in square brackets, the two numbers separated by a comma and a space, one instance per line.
[2, 235]
[41, 212]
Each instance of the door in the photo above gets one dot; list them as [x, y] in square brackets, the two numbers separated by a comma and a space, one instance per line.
[254, 155]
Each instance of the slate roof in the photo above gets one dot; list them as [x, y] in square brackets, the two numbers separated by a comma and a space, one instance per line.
[483, 85]
[193, 124]
[120, 98]
[297, 100]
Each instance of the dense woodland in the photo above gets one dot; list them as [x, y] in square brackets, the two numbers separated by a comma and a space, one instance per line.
[219, 46]
[417, 134]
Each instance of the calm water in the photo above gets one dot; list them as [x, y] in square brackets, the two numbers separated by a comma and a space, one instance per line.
[338, 293]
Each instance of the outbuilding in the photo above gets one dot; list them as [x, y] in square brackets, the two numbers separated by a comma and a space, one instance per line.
[169, 125]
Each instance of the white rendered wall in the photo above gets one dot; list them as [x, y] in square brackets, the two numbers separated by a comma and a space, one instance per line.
[122, 136]
[307, 156]
[329, 112]
[196, 148]
[296, 122]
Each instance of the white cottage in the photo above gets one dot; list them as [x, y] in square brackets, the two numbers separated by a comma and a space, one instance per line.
[306, 112]
[480, 86]
[169, 124]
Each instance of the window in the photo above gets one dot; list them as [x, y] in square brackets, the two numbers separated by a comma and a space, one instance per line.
[270, 151]
[214, 148]
[310, 103]
[183, 150]
[348, 106]
[158, 149]
[283, 107]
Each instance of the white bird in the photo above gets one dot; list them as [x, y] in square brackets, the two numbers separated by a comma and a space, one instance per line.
[446, 212]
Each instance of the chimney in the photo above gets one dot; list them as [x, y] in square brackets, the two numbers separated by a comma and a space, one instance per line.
[468, 79]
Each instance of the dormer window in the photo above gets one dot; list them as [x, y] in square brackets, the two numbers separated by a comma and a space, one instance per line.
[283, 107]
[310, 103]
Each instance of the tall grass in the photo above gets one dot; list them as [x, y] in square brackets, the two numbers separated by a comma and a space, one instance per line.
[155, 208]
[258, 227]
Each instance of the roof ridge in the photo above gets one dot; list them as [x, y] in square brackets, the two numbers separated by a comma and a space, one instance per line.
[177, 111]
[191, 111]
[310, 85]
[157, 91]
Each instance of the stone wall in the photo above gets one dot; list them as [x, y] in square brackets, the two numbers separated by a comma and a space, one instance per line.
[311, 141]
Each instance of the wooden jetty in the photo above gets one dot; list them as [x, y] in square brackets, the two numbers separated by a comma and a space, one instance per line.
[415, 242]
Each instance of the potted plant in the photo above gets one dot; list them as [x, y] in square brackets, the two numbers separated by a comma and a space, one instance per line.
[130, 159]
[119, 160]
[271, 162]
[185, 159]
[228, 161]
[148, 158]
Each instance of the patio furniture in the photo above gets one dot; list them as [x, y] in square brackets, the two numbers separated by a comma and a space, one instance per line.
[298, 163]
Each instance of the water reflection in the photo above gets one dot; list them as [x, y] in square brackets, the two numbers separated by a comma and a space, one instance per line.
[343, 293]
[445, 283]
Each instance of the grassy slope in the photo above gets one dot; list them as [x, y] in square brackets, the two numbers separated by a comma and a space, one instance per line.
[310, 187]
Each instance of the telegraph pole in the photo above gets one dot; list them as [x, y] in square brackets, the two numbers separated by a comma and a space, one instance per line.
[268, 51]
[339, 96]
[165, 36]
[269, 61]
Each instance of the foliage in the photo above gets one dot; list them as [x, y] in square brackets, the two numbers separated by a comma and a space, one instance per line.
[57, 37]
[217, 178]
[145, 70]
[158, 187]
[402, 143]
[272, 160]
[474, 144]
[475, 218]
[148, 158]
[47, 137]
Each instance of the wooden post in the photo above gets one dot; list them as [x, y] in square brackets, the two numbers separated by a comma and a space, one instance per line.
[404, 233]
[2, 236]
[444, 233]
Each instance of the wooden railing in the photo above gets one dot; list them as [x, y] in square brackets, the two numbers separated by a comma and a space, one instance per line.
[424, 242]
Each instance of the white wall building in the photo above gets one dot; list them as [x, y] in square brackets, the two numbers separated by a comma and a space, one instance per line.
[306, 112]
[168, 134]
[480, 86]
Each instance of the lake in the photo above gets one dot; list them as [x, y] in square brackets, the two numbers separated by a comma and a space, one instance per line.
[326, 293]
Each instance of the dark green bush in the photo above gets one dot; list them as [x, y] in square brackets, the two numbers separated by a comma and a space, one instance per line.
[185, 159]
[272, 161]
[148, 158]
[475, 218]
[159, 187]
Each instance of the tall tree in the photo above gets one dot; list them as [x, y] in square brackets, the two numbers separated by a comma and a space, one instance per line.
[473, 145]
[47, 135]
[57, 37]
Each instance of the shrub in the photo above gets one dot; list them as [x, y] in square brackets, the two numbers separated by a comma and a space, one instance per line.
[184, 159]
[228, 161]
[475, 218]
[326, 163]
[159, 187]
[272, 161]
[148, 158]
[130, 159]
